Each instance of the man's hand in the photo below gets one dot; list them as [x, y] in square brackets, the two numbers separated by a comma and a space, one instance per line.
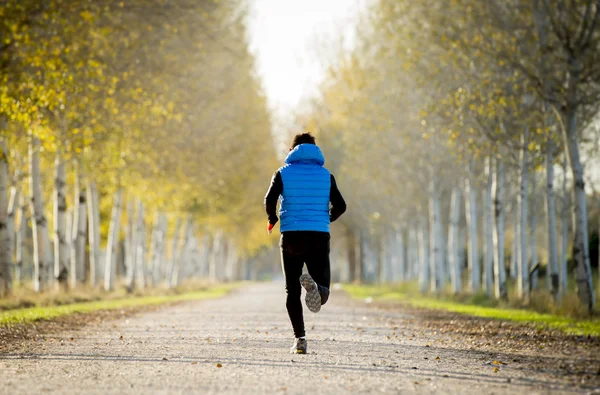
[270, 228]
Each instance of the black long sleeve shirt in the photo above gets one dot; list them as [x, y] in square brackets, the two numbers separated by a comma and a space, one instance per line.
[338, 205]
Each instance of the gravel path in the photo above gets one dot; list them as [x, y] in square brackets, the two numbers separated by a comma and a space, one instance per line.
[240, 344]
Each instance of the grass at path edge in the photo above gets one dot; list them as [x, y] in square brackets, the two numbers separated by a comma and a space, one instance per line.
[565, 324]
[18, 316]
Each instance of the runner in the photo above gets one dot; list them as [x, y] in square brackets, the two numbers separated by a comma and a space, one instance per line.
[304, 188]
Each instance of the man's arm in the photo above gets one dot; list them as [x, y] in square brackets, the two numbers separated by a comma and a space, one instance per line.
[272, 196]
[338, 204]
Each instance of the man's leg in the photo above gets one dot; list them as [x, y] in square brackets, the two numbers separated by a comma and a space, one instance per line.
[292, 270]
[318, 265]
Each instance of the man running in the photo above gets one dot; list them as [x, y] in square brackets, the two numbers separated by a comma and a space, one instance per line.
[304, 188]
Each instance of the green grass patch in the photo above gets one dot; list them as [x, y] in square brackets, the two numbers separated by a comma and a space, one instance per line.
[16, 316]
[568, 325]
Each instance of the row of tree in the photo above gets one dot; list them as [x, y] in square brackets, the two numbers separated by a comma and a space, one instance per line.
[129, 122]
[450, 112]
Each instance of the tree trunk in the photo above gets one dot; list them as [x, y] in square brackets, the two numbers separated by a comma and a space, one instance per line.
[453, 242]
[13, 208]
[78, 272]
[94, 231]
[140, 249]
[113, 243]
[563, 272]
[436, 260]
[61, 247]
[581, 253]
[534, 280]
[174, 252]
[401, 257]
[551, 219]
[425, 259]
[473, 250]
[500, 289]
[20, 238]
[523, 270]
[161, 246]
[41, 242]
[352, 261]
[154, 248]
[5, 248]
[414, 254]
[130, 245]
[488, 262]
[516, 242]
[204, 254]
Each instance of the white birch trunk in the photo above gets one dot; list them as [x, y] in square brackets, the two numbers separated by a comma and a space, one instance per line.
[500, 289]
[581, 253]
[41, 242]
[113, 243]
[14, 205]
[212, 267]
[215, 259]
[94, 231]
[182, 255]
[21, 222]
[401, 256]
[130, 245]
[436, 259]
[140, 250]
[424, 264]
[534, 280]
[453, 242]
[523, 270]
[159, 264]
[174, 251]
[13, 208]
[61, 248]
[516, 242]
[551, 220]
[488, 258]
[69, 247]
[563, 272]
[154, 248]
[5, 248]
[473, 243]
[78, 272]
[204, 255]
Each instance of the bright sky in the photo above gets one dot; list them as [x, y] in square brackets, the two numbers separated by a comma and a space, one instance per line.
[293, 41]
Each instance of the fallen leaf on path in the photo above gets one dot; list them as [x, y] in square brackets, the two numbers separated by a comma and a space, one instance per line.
[496, 370]
[121, 337]
[165, 359]
[194, 363]
[219, 365]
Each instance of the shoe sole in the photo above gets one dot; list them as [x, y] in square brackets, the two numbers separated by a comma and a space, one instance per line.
[313, 298]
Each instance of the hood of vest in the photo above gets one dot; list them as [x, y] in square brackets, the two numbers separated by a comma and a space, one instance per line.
[306, 153]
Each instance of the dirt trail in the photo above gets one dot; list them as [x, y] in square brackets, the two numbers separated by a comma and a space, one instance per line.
[240, 343]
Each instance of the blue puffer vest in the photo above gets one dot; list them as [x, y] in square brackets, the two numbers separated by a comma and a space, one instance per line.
[306, 188]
